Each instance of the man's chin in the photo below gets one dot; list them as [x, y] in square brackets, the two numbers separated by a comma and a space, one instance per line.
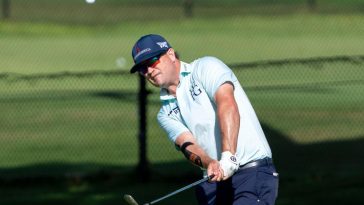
[155, 83]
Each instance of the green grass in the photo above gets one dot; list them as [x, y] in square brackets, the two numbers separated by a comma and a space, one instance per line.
[73, 140]
[312, 105]
[42, 47]
[79, 134]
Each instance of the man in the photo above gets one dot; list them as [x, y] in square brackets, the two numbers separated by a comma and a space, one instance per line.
[207, 114]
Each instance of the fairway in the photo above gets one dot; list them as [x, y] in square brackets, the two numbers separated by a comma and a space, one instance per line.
[69, 125]
[43, 48]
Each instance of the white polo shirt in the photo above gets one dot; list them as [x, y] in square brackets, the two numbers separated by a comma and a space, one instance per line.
[194, 110]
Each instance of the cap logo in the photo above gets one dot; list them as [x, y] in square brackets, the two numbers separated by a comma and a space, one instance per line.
[163, 44]
[137, 49]
[141, 52]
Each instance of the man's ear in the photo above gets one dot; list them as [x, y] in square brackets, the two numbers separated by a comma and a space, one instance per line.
[171, 54]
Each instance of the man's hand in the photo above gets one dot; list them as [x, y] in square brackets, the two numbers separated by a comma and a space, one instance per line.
[213, 169]
[228, 164]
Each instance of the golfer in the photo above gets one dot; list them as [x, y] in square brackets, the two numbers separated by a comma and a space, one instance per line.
[208, 116]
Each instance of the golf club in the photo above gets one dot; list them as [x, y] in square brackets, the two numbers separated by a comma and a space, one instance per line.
[131, 201]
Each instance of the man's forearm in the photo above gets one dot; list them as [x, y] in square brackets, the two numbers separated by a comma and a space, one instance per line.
[229, 117]
[193, 157]
[195, 154]
[229, 124]
[192, 151]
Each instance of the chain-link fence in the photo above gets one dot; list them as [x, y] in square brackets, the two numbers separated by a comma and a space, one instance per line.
[92, 118]
[71, 125]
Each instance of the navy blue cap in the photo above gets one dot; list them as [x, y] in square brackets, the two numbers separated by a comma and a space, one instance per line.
[147, 47]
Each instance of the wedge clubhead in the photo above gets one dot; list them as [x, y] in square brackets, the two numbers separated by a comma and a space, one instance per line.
[130, 200]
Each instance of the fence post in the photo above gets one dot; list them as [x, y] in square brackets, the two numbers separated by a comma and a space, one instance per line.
[187, 7]
[312, 4]
[6, 9]
[143, 164]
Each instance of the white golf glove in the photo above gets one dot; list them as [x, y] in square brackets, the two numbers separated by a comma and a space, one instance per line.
[228, 164]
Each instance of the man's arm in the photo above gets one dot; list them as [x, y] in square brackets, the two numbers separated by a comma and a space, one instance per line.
[229, 122]
[195, 154]
[228, 115]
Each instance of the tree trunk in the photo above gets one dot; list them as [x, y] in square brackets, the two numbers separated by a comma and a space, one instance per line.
[188, 6]
[6, 9]
[312, 4]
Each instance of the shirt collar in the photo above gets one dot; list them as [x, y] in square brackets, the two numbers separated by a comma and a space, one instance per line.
[185, 70]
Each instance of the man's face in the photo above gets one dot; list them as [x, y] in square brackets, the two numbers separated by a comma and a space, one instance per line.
[161, 71]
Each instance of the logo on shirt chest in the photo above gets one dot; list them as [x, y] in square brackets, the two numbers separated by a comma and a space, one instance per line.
[195, 90]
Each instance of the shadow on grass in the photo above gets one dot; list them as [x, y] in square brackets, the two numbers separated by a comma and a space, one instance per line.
[320, 173]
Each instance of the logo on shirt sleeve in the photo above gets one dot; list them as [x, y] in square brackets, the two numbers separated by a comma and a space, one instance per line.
[174, 111]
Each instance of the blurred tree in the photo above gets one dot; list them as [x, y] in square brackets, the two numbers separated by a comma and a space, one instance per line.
[312, 4]
[6, 9]
[188, 6]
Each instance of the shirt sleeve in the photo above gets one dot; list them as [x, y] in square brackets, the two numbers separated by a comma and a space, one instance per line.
[212, 73]
[171, 125]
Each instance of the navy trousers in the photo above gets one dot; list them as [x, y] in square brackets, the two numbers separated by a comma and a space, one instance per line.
[255, 185]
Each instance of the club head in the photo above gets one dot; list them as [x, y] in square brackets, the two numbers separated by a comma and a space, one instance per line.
[130, 200]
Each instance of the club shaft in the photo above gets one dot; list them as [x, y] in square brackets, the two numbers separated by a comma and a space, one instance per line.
[180, 190]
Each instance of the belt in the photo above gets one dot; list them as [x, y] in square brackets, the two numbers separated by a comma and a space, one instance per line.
[257, 163]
